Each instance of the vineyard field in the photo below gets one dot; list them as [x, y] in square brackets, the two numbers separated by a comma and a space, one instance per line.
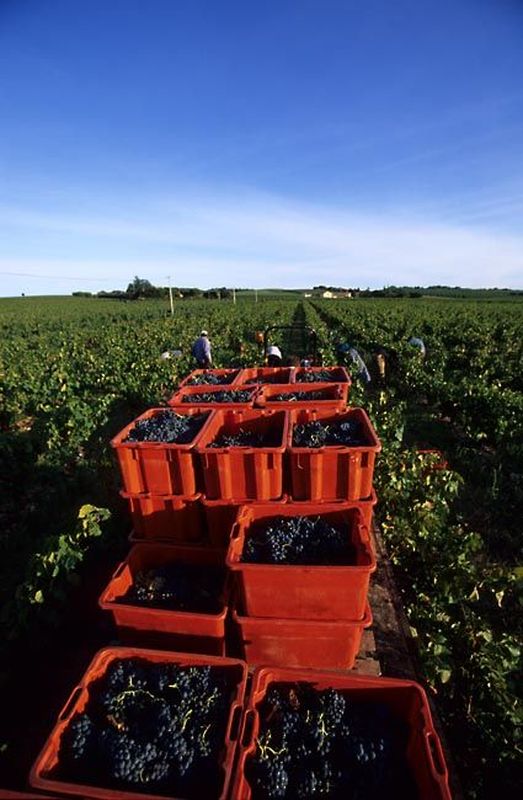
[74, 371]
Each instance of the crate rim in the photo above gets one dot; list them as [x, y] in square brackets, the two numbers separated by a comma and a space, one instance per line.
[107, 604]
[325, 368]
[336, 388]
[247, 509]
[260, 412]
[176, 401]
[212, 370]
[182, 498]
[118, 442]
[365, 622]
[79, 692]
[340, 681]
[375, 447]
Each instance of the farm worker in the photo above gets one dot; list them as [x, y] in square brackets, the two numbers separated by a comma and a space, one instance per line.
[363, 372]
[201, 350]
[274, 357]
[346, 349]
[381, 362]
[419, 343]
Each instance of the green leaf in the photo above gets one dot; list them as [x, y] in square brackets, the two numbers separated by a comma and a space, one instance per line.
[86, 510]
[474, 595]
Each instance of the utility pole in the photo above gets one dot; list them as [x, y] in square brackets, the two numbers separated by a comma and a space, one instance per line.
[256, 295]
[171, 296]
[234, 296]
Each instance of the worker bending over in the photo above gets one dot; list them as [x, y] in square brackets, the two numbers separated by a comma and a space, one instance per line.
[201, 351]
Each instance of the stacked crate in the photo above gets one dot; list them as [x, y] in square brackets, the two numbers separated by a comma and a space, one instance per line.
[160, 484]
[195, 505]
[174, 523]
[311, 616]
[200, 494]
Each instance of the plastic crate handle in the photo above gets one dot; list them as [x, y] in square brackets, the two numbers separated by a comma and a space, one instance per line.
[363, 532]
[243, 514]
[234, 721]
[235, 531]
[67, 709]
[247, 737]
[118, 571]
[435, 756]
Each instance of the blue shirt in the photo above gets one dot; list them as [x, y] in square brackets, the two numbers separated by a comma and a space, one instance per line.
[419, 343]
[201, 349]
[363, 372]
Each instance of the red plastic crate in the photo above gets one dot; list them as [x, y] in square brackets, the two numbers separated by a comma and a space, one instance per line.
[300, 592]
[242, 474]
[338, 374]
[146, 626]
[333, 472]
[281, 376]
[365, 506]
[405, 699]
[220, 516]
[311, 644]
[169, 518]
[6, 794]
[154, 466]
[231, 376]
[334, 396]
[42, 777]
[178, 400]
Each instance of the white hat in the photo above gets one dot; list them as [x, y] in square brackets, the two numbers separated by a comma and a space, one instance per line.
[273, 350]
[204, 333]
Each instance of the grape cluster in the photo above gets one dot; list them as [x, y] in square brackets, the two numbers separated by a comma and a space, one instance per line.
[314, 395]
[232, 396]
[245, 438]
[167, 427]
[209, 378]
[318, 743]
[150, 727]
[311, 376]
[298, 540]
[181, 587]
[346, 432]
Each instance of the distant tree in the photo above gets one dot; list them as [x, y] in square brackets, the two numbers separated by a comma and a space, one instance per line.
[114, 295]
[219, 293]
[140, 287]
[82, 294]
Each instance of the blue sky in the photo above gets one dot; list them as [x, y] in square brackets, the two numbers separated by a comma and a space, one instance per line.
[363, 142]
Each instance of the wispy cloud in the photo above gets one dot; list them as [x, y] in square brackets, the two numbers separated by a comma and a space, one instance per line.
[253, 239]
